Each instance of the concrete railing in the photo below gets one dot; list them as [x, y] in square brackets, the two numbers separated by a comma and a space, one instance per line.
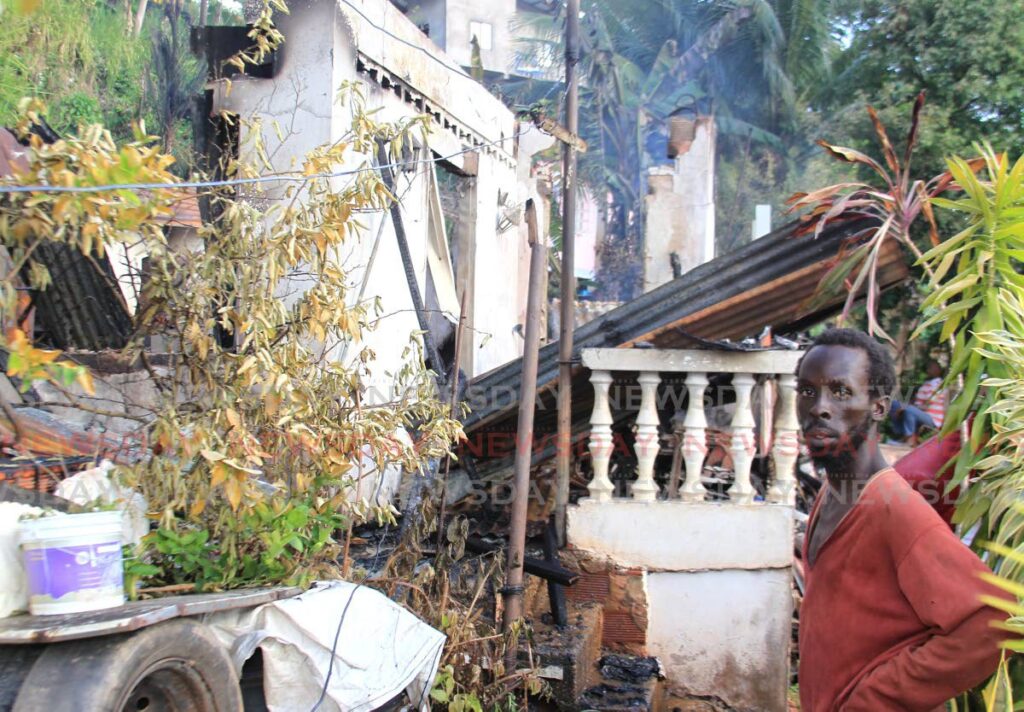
[716, 607]
[772, 371]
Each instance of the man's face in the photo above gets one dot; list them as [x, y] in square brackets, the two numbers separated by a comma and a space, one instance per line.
[835, 405]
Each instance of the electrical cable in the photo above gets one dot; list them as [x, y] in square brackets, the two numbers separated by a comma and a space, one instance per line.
[285, 177]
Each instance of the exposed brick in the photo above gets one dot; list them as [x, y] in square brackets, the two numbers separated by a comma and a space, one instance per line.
[590, 587]
[620, 628]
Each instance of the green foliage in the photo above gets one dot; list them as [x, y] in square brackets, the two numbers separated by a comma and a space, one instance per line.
[978, 292]
[76, 110]
[967, 57]
[978, 299]
[444, 693]
[78, 57]
[277, 538]
[642, 61]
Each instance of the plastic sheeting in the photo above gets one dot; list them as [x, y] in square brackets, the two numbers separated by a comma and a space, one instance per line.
[382, 649]
[95, 485]
[13, 584]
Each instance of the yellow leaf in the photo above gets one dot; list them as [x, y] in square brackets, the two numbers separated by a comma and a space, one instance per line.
[239, 466]
[197, 508]
[213, 455]
[218, 473]
[41, 356]
[233, 418]
[16, 339]
[85, 381]
[233, 491]
[271, 402]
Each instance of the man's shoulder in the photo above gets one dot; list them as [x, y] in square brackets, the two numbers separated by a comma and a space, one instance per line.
[890, 497]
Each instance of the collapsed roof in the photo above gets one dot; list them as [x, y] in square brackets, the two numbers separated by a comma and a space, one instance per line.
[768, 282]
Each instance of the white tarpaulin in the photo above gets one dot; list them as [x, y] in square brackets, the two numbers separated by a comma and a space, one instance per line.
[382, 649]
[13, 584]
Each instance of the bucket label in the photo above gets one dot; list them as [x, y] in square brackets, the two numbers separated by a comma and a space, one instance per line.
[56, 572]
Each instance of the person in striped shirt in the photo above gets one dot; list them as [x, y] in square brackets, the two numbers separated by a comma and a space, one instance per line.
[930, 397]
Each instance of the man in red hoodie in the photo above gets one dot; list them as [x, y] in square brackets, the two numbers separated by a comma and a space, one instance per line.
[892, 617]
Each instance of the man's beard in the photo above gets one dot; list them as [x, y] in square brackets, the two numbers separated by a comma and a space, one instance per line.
[838, 460]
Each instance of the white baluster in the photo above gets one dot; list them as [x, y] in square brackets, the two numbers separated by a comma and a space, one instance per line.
[645, 489]
[786, 446]
[741, 446]
[600, 444]
[695, 445]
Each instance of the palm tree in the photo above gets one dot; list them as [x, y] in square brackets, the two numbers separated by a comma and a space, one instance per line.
[175, 76]
[641, 61]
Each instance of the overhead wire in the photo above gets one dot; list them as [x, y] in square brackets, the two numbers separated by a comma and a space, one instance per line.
[293, 176]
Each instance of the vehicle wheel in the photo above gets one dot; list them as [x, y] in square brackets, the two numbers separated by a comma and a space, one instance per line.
[15, 662]
[176, 666]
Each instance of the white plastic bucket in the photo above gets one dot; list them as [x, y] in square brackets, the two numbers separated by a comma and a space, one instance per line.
[73, 562]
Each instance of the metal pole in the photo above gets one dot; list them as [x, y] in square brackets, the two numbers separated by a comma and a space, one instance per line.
[433, 356]
[513, 591]
[411, 510]
[454, 401]
[567, 321]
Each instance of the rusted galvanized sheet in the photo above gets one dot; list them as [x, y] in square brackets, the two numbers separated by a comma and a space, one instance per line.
[24, 629]
[765, 283]
[184, 210]
[83, 306]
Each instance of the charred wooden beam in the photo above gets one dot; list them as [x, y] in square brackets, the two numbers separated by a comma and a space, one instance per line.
[536, 567]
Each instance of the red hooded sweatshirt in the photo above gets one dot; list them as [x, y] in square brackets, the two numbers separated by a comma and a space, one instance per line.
[891, 618]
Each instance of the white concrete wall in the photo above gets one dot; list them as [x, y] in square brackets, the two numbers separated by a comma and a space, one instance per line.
[323, 41]
[498, 14]
[685, 536]
[718, 582]
[724, 633]
[680, 210]
[432, 14]
[321, 35]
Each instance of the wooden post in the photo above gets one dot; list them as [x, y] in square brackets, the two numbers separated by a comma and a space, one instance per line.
[567, 321]
[513, 591]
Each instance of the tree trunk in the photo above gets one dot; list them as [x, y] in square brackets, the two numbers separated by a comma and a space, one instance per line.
[203, 5]
[140, 16]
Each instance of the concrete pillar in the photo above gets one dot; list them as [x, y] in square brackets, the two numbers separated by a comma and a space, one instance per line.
[680, 209]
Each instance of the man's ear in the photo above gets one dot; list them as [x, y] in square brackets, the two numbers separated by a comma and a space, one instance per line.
[880, 408]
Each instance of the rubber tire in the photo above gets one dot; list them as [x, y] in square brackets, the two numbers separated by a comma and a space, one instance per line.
[99, 674]
[15, 663]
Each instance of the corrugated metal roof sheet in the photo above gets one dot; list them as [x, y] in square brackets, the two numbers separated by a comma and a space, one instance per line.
[83, 307]
[765, 283]
[185, 208]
